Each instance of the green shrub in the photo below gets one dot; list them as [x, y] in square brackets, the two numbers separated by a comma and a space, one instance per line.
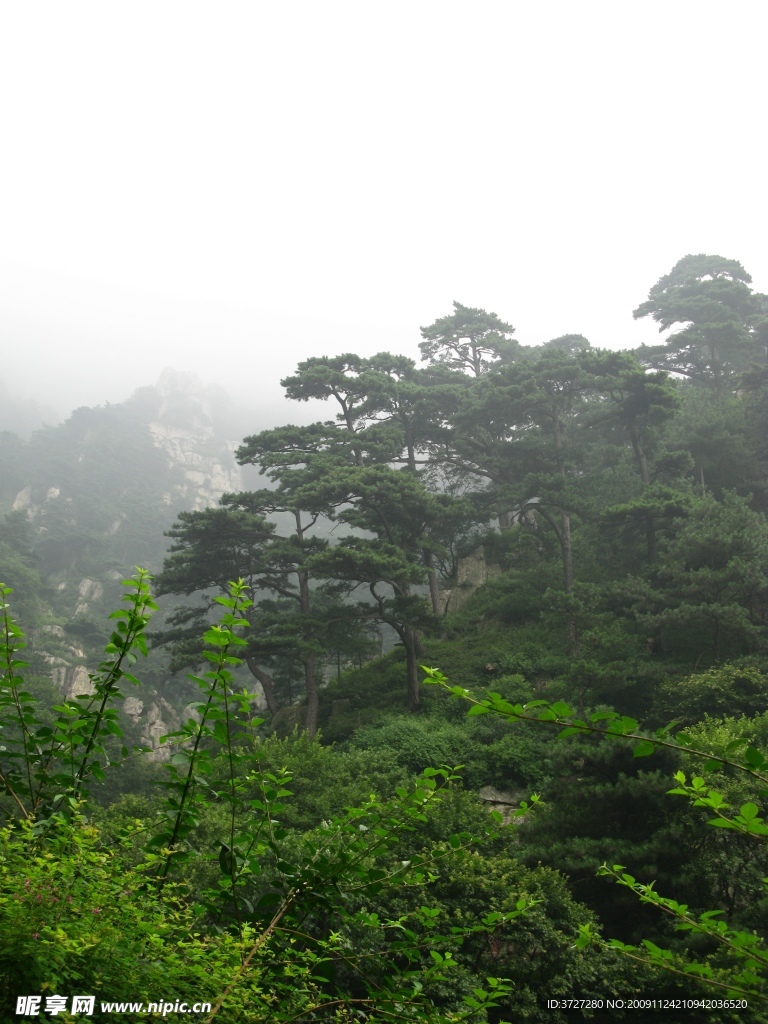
[738, 688]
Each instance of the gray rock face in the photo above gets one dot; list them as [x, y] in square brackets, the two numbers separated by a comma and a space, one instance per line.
[208, 463]
[502, 800]
[88, 590]
[23, 500]
[76, 682]
[287, 719]
[498, 796]
[133, 707]
[473, 571]
[67, 661]
[185, 423]
[159, 720]
[54, 631]
[186, 420]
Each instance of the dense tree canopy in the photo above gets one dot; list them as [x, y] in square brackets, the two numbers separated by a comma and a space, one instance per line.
[575, 534]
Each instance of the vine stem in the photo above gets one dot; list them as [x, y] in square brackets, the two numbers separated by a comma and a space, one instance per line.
[585, 727]
[281, 912]
[136, 623]
[9, 637]
[237, 602]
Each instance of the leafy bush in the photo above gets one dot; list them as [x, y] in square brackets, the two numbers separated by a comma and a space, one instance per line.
[74, 918]
[738, 688]
[735, 961]
[267, 937]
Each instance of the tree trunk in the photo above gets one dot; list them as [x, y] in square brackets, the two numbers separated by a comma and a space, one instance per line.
[572, 633]
[310, 667]
[650, 539]
[477, 361]
[563, 534]
[434, 585]
[642, 458]
[413, 649]
[567, 549]
[313, 698]
[411, 447]
[267, 683]
[701, 478]
[645, 476]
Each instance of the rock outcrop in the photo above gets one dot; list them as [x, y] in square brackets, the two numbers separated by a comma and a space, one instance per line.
[88, 591]
[69, 672]
[473, 572]
[501, 800]
[160, 719]
[184, 427]
[116, 478]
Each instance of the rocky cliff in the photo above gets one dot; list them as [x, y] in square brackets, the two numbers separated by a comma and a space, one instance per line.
[97, 493]
[188, 429]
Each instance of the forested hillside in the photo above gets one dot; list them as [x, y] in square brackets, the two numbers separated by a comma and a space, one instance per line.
[86, 501]
[335, 790]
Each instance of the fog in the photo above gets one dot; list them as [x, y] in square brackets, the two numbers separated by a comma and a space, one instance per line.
[229, 190]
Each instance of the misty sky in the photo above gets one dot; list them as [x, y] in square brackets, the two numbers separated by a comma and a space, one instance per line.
[229, 188]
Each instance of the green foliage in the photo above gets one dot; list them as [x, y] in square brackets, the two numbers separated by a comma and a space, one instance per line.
[12, 468]
[713, 585]
[19, 563]
[719, 441]
[488, 756]
[536, 951]
[739, 964]
[78, 915]
[600, 527]
[217, 719]
[729, 865]
[102, 486]
[468, 340]
[324, 779]
[48, 764]
[737, 974]
[739, 688]
[709, 299]
[75, 918]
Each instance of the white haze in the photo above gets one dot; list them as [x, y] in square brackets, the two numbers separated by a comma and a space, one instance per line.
[231, 188]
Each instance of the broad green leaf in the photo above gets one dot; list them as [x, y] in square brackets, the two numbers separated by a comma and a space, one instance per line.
[643, 749]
